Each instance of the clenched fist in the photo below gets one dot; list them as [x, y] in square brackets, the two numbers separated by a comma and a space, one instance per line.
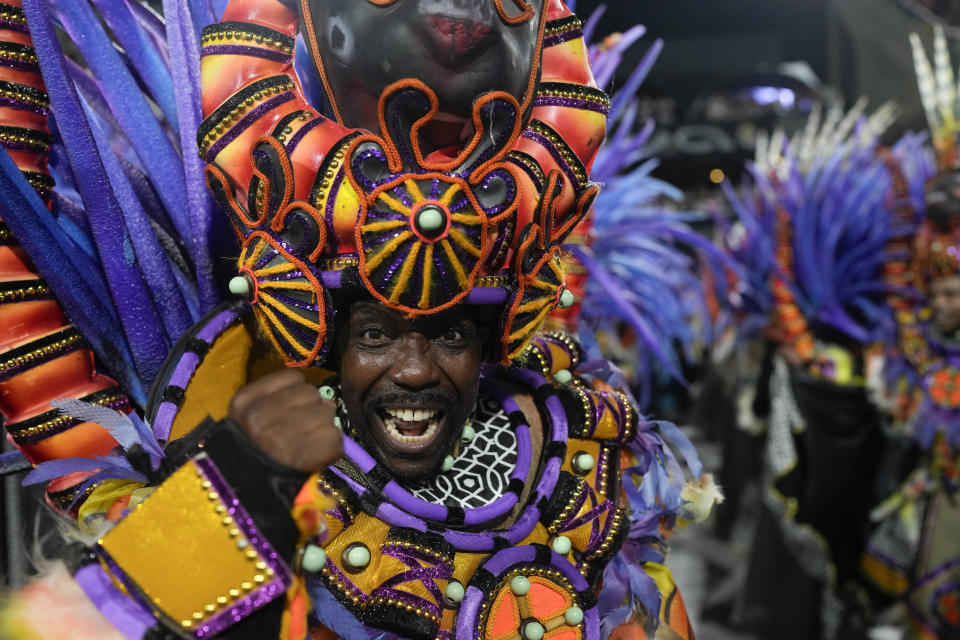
[288, 420]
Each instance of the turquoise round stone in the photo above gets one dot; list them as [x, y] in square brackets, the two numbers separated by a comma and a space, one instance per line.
[314, 558]
[448, 463]
[563, 376]
[562, 545]
[533, 631]
[357, 557]
[583, 462]
[454, 592]
[431, 219]
[573, 616]
[520, 586]
[327, 393]
[240, 287]
[468, 434]
[566, 299]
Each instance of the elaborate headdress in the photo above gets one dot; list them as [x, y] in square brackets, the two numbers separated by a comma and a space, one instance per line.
[319, 206]
[938, 240]
[818, 213]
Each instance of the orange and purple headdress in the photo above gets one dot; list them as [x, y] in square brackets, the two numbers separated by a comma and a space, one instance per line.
[321, 205]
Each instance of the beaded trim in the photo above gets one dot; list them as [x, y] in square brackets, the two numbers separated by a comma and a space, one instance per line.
[23, 139]
[12, 18]
[36, 352]
[577, 96]
[24, 291]
[244, 33]
[39, 181]
[23, 97]
[563, 30]
[18, 56]
[553, 142]
[53, 422]
[242, 38]
[66, 499]
[226, 123]
[530, 166]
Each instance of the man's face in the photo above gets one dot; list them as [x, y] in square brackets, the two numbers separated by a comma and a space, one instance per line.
[408, 385]
[944, 302]
[459, 48]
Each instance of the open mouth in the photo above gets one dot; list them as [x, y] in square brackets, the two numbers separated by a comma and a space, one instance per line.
[411, 427]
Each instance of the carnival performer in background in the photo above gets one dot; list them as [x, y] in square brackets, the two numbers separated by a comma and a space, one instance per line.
[406, 236]
[817, 219]
[914, 554]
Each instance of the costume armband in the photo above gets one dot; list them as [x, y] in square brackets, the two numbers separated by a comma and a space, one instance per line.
[211, 548]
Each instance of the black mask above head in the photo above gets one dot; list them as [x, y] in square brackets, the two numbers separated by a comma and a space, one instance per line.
[460, 49]
[943, 201]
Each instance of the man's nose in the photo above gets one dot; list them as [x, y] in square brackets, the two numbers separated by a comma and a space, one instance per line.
[415, 367]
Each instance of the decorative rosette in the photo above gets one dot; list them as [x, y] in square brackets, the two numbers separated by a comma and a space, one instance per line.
[538, 267]
[430, 226]
[280, 241]
[943, 387]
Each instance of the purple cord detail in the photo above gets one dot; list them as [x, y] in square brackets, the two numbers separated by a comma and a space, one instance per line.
[408, 598]
[243, 50]
[555, 154]
[407, 501]
[573, 103]
[163, 421]
[303, 131]
[238, 129]
[269, 254]
[128, 616]
[401, 192]
[560, 38]
[184, 370]
[262, 595]
[396, 517]
[435, 189]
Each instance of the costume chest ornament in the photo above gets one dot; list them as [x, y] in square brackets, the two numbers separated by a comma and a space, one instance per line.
[524, 564]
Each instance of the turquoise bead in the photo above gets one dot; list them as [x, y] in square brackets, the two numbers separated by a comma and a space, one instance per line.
[240, 287]
[573, 616]
[520, 586]
[430, 219]
[314, 559]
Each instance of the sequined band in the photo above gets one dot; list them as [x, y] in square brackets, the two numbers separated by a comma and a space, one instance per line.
[23, 97]
[231, 113]
[554, 143]
[248, 35]
[563, 30]
[18, 56]
[53, 422]
[39, 351]
[12, 18]
[24, 291]
[23, 139]
[576, 95]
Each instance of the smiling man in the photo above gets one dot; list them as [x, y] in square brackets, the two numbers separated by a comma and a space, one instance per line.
[377, 437]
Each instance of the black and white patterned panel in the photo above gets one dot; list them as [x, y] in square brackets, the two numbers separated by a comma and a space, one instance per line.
[482, 471]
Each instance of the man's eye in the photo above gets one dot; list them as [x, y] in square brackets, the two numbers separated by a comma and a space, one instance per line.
[373, 334]
[452, 335]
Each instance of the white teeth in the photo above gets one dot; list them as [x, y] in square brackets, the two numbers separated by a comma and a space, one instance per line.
[399, 437]
[411, 415]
